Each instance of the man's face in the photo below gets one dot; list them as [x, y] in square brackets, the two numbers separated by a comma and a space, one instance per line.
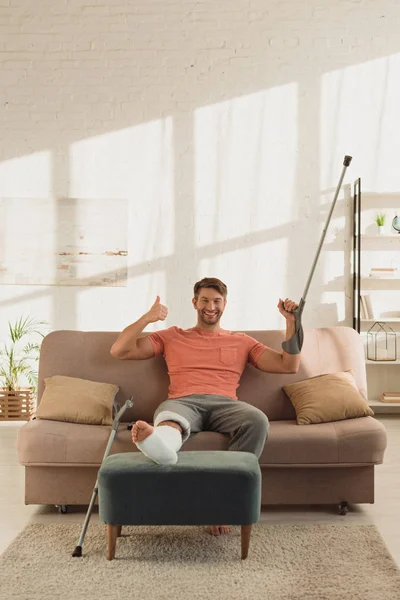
[210, 305]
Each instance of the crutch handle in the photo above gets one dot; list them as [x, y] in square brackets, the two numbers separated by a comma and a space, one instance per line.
[299, 310]
[295, 343]
[347, 160]
[128, 404]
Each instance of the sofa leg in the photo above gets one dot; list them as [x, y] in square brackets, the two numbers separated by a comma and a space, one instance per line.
[119, 529]
[343, 508]
[112, 534]
[245, 539]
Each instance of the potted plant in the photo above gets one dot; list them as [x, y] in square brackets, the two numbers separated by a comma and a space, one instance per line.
[380, 219]
[17, 367]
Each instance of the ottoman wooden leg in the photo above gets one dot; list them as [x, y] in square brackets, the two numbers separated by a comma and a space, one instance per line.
[245, 538]
[119, 530]
[112, 534]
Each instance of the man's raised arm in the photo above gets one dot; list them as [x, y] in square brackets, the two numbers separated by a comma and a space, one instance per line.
[273, 361]
[129, 345]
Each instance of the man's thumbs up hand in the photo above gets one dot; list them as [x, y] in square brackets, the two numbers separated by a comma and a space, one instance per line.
[158, 312]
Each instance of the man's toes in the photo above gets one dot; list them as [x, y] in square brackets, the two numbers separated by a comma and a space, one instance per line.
[142, 431]
[225, 529]
[219, 529]
[137, 433]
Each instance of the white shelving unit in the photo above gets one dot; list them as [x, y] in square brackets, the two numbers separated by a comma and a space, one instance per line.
[379, 243]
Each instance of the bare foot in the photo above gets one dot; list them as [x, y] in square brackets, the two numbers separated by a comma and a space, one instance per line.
[219, 529]
[140, 431]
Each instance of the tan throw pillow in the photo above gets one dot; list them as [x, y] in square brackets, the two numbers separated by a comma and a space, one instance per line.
[77, 400]
[325, 398]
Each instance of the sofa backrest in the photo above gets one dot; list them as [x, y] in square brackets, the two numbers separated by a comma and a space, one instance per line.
[87, 355]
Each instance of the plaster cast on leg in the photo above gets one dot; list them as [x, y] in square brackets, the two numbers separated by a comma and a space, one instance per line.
[162, 445]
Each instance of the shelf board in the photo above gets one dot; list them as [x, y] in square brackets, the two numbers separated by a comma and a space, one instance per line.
[378, 283]
[381, 320]
[382, 362]
[384, 407]
[390, 236]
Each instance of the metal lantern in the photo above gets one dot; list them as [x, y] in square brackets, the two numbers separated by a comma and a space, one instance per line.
[381, 342]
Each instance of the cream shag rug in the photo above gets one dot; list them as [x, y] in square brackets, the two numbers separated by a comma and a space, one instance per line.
[285, 562]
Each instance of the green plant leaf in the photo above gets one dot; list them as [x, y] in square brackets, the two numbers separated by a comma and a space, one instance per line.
[32, 377]
[31, 348]
[16, 362]
[380, 219]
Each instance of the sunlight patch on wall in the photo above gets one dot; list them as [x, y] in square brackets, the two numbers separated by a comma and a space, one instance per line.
[26, 176]
[28, 241]
[255, 280]
[136, 163]
[145, 289]
[359, 116]
[93, 310]
[245, 164]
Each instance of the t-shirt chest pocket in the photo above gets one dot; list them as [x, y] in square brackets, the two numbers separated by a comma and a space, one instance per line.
[228, 356]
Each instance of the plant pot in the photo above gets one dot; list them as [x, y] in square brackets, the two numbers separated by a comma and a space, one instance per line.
[17, 405]
[381, 229]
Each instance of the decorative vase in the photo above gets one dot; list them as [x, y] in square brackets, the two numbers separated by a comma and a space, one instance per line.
[396, 224]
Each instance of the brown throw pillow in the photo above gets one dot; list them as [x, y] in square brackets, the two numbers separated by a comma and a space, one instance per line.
[325, 398]
[77, 400]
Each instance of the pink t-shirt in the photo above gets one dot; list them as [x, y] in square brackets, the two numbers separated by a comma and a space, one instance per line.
[205, 362]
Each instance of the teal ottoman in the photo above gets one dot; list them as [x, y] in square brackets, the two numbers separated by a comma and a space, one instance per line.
[203, 488]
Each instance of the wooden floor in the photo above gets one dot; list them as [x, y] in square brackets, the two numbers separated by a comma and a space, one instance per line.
[385, 513]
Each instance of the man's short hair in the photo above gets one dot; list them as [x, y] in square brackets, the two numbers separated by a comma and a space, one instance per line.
[210, 282]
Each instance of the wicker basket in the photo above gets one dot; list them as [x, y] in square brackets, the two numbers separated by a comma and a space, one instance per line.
[17, 405]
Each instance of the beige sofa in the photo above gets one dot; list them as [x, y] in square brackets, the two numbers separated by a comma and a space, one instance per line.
[328, 463]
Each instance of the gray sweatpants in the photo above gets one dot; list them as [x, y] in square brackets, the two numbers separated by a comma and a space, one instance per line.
[247, 425]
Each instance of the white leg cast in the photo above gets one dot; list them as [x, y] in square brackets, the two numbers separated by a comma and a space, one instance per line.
[162, 445]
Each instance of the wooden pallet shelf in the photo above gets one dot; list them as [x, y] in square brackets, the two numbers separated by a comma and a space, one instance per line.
[16, 405]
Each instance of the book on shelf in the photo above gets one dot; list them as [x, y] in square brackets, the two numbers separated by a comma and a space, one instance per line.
[364, 313]
[368, 303]
[362, 310]
[366, 307]
[392, 397]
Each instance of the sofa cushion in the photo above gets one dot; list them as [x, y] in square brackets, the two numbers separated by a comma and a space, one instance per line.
[325, 398]
[355, 441]
[77, 400]
[46, 442]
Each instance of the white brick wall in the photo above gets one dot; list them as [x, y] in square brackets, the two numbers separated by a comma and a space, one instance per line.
[223, 123]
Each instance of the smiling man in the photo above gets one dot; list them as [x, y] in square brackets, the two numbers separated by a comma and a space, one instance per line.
[205, 364]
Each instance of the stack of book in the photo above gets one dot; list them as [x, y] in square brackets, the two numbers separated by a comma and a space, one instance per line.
[384, 272]
[390, 397]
